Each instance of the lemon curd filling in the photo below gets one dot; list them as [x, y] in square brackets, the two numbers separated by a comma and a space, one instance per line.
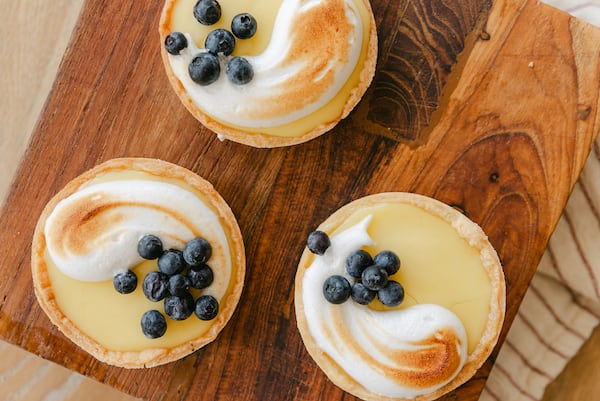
[113, 319]
[265, 12]
[183, 20]
[437, 265]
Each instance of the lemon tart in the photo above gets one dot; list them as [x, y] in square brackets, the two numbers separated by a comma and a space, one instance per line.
[269, 73]
[399, 297]
[139, 262]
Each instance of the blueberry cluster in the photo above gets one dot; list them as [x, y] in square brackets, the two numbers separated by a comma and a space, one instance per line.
[371, 275]
[204, 69]
[178, 271]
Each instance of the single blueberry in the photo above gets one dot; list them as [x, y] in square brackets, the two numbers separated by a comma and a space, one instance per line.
[207, 307]
[357, 262]
[200, 276]
[207, 12]
[374, 277]
[239, 71]
[336, 289]
[154, 324]
[388, 260]
[243, 26]
[197, 252]
[150, 247]
[178, 284]
[171, 262]
[125, 282]
[179, 307]
[220, 41]
[155, 286]
[204, 69]
[361, 294]
[175, 42]
[392, 294]
[318, 242]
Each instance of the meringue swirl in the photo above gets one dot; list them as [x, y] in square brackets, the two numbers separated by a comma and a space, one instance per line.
[93, 234]
[395, 353]
[314, 48]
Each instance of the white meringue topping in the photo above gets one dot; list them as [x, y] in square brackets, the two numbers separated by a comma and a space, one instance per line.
[93, 234]
[395, 353]
[314, 48]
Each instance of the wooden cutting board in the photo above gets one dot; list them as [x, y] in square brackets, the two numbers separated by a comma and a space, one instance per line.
[517, 112]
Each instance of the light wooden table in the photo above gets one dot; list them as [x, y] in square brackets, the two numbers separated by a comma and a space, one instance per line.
[35, 34]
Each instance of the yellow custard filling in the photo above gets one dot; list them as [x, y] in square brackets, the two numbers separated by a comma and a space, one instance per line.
[437, 265]
[265, 12]
[113, 319]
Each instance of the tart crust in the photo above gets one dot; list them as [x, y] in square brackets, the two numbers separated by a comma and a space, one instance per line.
[263, 140]
[154, 356]
[468, 230]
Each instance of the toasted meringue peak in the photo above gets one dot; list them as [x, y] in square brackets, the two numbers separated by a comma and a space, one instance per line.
[93, 234]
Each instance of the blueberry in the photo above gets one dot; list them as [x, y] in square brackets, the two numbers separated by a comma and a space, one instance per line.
[155, 286]
[150, 247]
[336, 289]
[318, 242]
[197, 252]
[179, 307]
[154, 324]
[220, 41]
[178, 284]
[243, 26]
[392, 294]
[175, 43]
[361, 294]
[239, 71]
[357, 262]
[125, 282]
[374, 277]
[388, 260]
[204, 69]
[207, 12]
[171, 262]
[207, 307]
[200, 276]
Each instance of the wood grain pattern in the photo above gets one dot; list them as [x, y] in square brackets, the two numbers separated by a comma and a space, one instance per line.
[505, 150]
[414, 64]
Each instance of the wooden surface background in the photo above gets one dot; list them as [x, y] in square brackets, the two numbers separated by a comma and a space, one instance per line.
[81, 126]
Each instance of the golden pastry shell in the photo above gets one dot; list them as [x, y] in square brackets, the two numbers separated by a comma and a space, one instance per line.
[468, 230]
[150, 357]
